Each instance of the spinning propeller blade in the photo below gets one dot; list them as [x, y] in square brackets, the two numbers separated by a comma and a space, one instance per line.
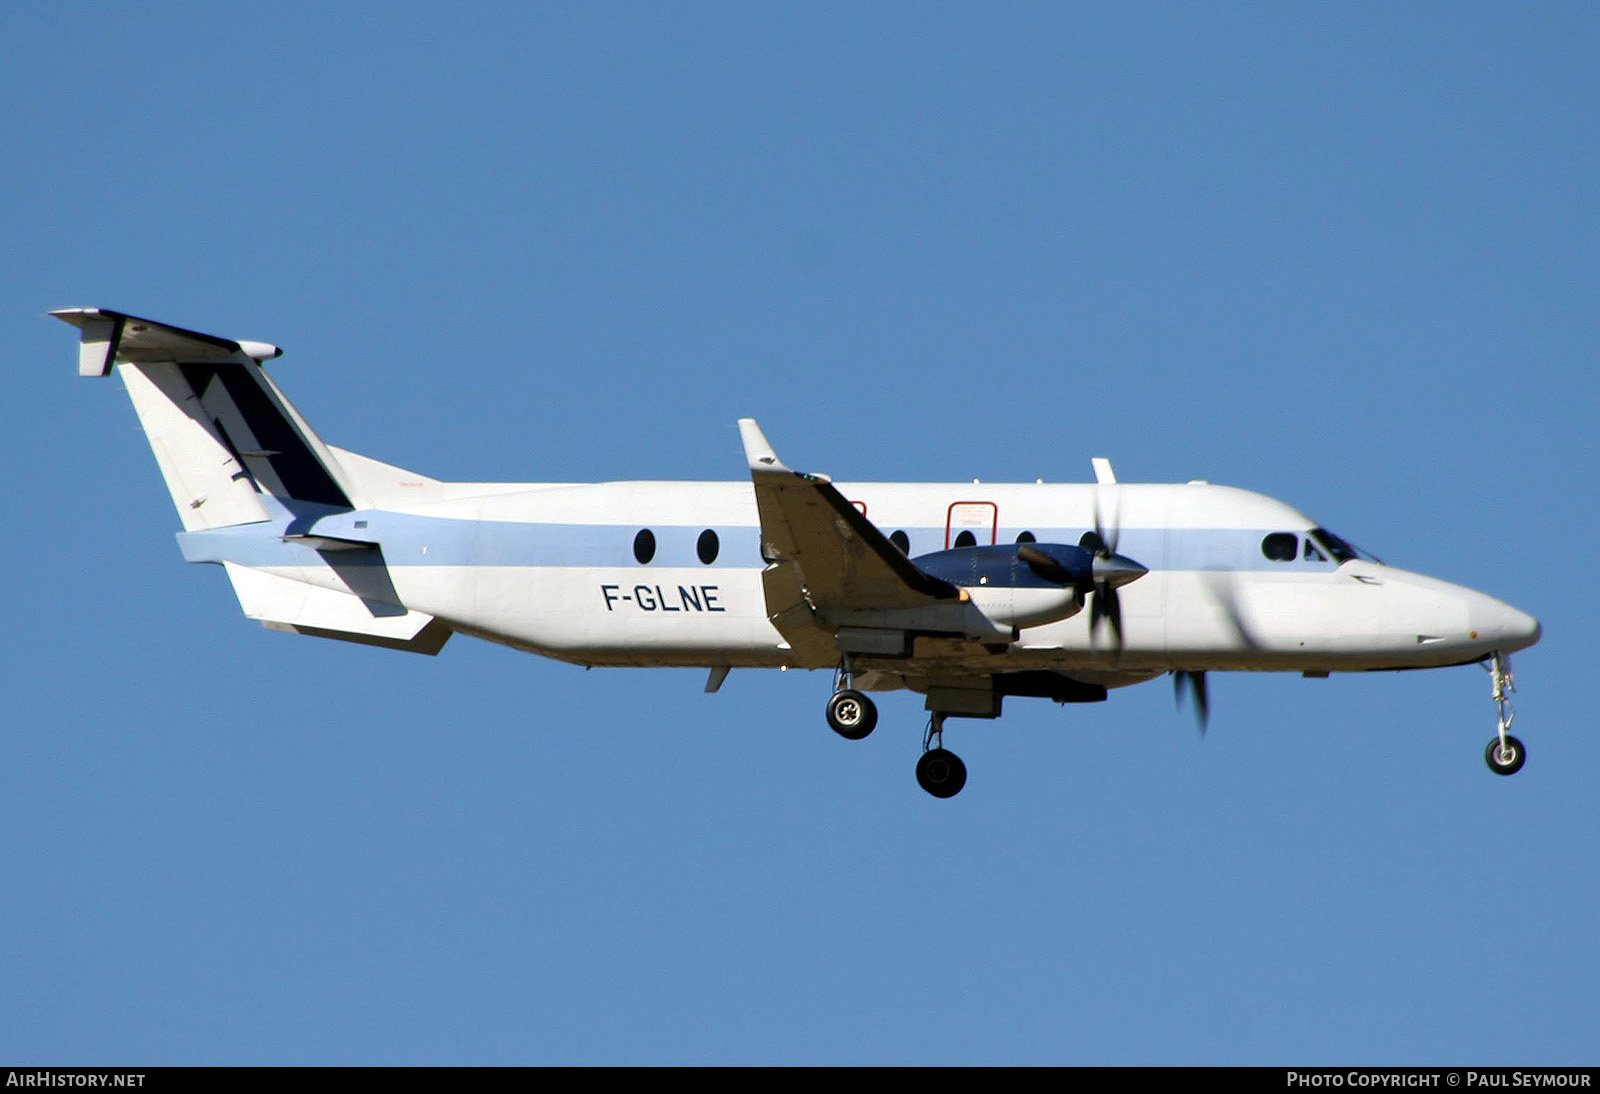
[1111, 571]
[1043, 565]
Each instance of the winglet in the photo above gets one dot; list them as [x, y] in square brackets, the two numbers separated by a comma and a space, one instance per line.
[1102, 471]
[757, 449]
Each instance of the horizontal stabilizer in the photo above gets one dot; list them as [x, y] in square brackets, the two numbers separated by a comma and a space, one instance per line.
[111, 336]
[284, 605]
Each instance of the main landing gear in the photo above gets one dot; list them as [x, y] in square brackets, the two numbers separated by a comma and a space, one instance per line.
[852, 716]
[940, 772]
[1505, 754]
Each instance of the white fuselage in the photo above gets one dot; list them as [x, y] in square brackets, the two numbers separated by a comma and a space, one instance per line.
[553, 569]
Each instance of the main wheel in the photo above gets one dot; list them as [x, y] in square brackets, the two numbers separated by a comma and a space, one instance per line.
[1508, 762]
[851, 715]
[941, 773]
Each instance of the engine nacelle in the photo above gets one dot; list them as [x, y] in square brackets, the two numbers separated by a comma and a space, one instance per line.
[1019, 606]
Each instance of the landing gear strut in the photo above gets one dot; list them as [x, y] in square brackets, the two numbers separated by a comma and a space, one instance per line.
[850, 714]
[939, 771]
[1505, 754]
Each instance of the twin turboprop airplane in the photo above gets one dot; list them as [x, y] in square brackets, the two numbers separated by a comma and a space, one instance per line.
[964, 593]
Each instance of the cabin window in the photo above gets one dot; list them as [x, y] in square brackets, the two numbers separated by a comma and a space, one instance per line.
[1026, 537]
[1281, 546]
[706, 546]
[644, 546]
[966, 539]
[902, 541]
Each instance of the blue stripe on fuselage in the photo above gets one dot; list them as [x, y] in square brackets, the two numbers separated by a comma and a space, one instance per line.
[411, 540]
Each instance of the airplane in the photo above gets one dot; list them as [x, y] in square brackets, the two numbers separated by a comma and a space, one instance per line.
[967, 593]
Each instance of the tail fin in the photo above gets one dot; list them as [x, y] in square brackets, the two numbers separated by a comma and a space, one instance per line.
[222, 432]
[228, 443]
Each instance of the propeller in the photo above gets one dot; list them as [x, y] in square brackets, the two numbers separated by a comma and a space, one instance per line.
[1045, 566]
[1110, 572]
[1097, 583]
[1194, 682]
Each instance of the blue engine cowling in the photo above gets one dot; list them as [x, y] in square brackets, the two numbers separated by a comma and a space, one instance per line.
[1012, 589]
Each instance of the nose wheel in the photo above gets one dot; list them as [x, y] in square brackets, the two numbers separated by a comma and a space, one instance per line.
[1505, 757]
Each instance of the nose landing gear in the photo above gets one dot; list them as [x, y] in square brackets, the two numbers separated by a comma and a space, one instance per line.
[1505, 754]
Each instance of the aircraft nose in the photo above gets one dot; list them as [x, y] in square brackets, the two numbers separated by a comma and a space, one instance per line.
[1509, 629]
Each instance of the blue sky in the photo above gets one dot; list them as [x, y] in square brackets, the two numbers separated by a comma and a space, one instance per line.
[1344, 255]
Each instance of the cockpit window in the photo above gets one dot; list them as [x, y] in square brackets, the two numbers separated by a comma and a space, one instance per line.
[1281, 546]
[1340, 549]
[1313, 553]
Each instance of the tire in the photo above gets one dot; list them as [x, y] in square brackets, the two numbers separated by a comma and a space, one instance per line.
[851, 714]
[1505, 766]
[941, 773]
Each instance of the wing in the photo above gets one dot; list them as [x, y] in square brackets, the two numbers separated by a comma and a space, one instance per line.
[827, 564]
